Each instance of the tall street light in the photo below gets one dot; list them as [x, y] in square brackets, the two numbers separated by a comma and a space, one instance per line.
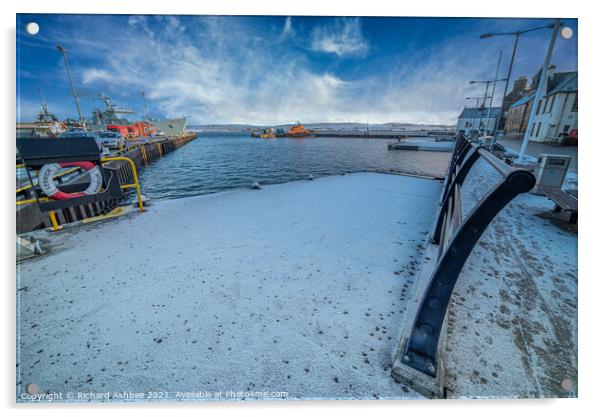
[541, 85]
[486, 82]
[497, 70]
[477, 107]
[63, 51]
[516, 35]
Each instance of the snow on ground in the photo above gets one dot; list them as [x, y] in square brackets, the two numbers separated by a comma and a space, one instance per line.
[297, 287]
[513, 319]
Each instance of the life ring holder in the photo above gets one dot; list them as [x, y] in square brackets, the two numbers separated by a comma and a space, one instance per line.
[49, 187]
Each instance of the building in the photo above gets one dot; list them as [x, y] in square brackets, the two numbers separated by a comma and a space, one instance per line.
[518, 115]
[475, 119]
[556, 112]
[519, 90]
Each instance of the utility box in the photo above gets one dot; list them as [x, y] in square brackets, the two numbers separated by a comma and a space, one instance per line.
[550, 171]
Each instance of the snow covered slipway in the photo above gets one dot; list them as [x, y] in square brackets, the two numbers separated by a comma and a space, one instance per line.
[298, 288]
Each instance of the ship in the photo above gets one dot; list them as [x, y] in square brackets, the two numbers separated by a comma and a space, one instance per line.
[46, 125]
[170, 127]
[298, 131]
[111, 118]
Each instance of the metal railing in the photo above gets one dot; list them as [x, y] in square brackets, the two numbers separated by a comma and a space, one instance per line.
[456, 239]
[128, 178]
[132, 173]
[125, 163]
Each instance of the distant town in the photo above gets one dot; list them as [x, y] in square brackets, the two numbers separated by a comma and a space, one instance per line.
[555, 120]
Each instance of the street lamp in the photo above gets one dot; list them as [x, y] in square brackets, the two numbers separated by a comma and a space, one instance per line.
[516, 35]
[541, 87]
[486, 82]
[476, 108]
[63, 51]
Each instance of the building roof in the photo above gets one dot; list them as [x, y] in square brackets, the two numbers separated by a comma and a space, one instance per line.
[562, 82]
[474, 112]
[523, 100]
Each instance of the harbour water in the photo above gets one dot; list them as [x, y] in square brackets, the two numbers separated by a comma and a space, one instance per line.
[220, 162]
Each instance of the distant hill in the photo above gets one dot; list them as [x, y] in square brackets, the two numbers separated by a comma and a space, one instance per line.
[393, 126]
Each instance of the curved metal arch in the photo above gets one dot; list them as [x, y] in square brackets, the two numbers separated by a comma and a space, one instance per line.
[420, 351]
[458, 179]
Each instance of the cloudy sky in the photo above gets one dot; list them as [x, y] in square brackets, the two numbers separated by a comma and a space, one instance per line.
[274, 70]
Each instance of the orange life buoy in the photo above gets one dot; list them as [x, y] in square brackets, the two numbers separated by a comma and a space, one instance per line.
[49, 171]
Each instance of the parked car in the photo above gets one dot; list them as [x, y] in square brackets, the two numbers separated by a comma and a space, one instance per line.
[112, 140]
[79, 133]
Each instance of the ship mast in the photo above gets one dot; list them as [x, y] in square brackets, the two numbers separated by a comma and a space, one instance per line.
[63, 51]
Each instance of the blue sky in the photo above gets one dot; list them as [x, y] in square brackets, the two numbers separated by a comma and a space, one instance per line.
[274, 69]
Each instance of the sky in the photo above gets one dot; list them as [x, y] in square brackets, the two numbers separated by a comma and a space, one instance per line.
[270, 70]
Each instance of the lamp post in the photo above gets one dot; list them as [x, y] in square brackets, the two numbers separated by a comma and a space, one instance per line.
[485, 97]
[516, 35]
[63, 51]
[477, 107]
[497, 70]
[541, 87]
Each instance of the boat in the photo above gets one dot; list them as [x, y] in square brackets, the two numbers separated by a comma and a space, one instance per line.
[170, 127]
[297, 131]
[46, 125]
[111, 118]
[267, 133]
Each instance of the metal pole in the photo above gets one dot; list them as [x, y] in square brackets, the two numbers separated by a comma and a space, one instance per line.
[499, 61]
[501, 117]
[474, 118]
[541, 88]
[79, 112]
[483, 104]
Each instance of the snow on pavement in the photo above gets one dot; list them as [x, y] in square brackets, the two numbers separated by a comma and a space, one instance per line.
[513, 316]
[297, 287]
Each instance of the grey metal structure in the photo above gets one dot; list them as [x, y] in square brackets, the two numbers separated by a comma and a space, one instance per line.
[456, 239]
[109, 116]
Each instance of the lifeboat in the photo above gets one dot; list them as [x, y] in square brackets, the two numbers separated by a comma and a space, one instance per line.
[298, 131]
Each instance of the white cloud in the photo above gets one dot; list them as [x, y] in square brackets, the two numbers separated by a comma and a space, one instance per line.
[91, 75]
[344, 37]
[288, 30]
[224, 73]
[134, 20]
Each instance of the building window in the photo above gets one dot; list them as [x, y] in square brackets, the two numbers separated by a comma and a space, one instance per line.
[545, 106]
[538, 107]
[566, 128]
[466, 124]
[538, 127]
[575, 105]
[532, 128]
[552, 103]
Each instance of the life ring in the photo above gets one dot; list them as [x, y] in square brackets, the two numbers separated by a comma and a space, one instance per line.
[48, 186]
